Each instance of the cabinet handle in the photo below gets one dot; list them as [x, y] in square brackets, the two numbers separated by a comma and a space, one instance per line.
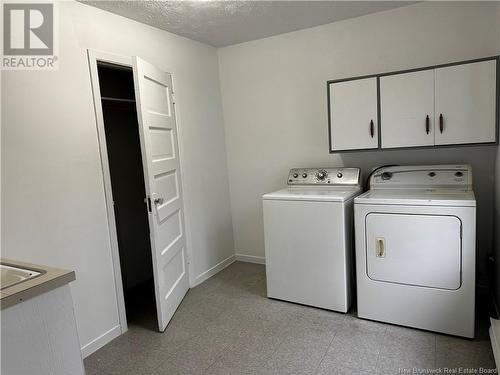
[427, 125]
[372, 129]
[441, 123]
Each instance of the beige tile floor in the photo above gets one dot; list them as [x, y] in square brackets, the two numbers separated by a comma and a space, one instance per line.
[228, 326]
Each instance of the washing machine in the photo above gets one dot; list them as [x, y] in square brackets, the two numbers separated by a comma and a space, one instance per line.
[415, 248]
[308, 229]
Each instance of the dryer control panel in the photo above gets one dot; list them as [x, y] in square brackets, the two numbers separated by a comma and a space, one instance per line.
[324, 176]
[423, 176]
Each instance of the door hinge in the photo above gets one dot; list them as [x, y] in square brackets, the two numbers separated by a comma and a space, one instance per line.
[147, 200]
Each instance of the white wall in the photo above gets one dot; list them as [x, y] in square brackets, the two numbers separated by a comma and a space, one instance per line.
[53, 208]
[275, 110]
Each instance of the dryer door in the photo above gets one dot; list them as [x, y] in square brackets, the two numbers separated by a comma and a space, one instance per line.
[420, 250]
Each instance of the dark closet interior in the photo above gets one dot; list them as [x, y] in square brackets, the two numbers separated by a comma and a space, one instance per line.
[127, 184]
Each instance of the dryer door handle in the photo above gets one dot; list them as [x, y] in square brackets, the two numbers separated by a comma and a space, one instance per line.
[380, 247]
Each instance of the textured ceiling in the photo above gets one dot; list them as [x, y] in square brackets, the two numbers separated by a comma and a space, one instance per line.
[222, 23]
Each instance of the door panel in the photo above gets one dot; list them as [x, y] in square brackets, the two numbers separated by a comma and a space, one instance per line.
[172, 229]
[406, 108]
[420, 250]
[465, 97]
[163, 184]
[162, 144]
[167, 182]
[353, 108]
[160, 97]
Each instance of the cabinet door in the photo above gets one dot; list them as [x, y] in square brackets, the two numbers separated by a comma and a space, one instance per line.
[353, 115]
[465, 103]
[407, 109]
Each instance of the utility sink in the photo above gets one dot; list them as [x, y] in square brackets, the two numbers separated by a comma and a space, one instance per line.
[11, 275]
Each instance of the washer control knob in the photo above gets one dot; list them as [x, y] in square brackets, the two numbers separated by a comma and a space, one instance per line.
[304, 175]
[432, 174]
[459, 174]
[340, 175]
[295, 175]
[321, 174]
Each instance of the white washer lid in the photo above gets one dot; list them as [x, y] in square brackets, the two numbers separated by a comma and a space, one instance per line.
[323, 194]
[418, 197]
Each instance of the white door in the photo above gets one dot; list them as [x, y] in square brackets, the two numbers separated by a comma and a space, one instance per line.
[465, 103]
[420, 250]
[407, 109]
[353, 114]
[160, 155]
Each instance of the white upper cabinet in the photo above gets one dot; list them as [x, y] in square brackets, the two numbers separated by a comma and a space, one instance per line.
[407, 109]
[353, 114]
[465, 103]
[437, 106]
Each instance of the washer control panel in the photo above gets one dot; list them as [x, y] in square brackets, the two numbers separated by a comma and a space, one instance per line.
[324, 176]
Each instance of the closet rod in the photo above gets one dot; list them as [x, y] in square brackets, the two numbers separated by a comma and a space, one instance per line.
[118, 99]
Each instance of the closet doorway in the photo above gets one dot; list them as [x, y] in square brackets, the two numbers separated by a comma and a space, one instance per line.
[127, 184]
[141, 168]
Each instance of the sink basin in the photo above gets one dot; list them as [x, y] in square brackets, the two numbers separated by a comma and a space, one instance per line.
[14, 275]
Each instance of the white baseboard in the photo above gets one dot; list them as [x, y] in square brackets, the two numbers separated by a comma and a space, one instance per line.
[212, 271]
[102, 340]
[495, 339]
[250, 259]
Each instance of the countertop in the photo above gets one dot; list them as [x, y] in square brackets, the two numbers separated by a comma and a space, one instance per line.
[50, 278]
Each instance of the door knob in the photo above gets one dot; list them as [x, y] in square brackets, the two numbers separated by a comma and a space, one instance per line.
[158, 201]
